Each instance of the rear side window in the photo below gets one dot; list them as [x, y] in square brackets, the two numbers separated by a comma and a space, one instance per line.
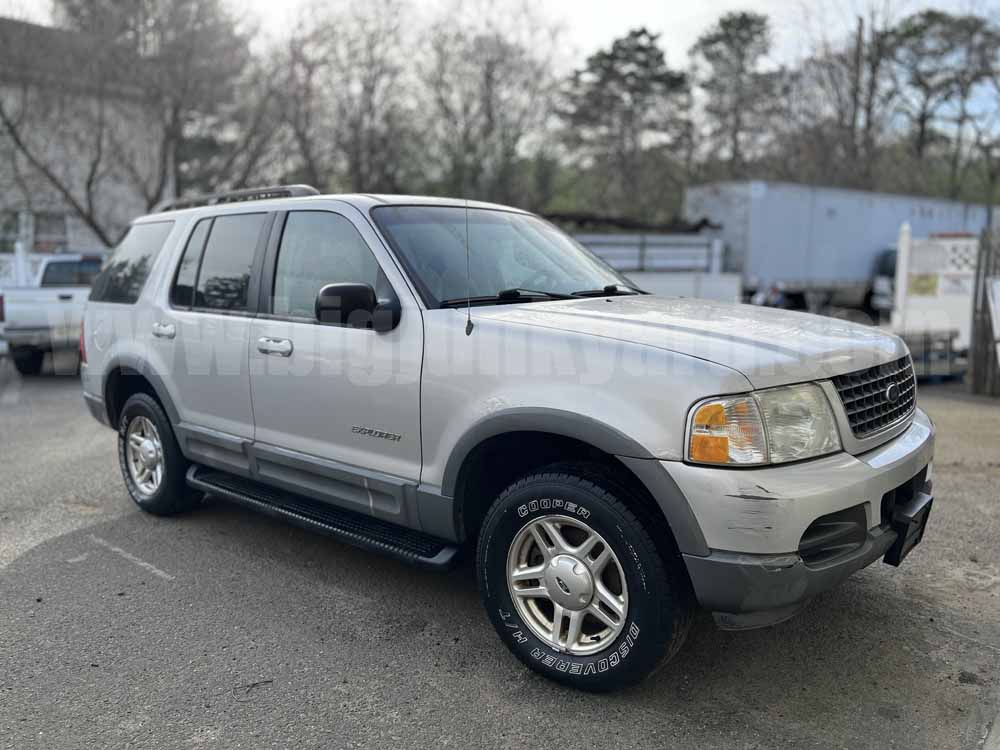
[123, 276]
[318, 248]
[182, 291]
[224, 278]
[71, 272]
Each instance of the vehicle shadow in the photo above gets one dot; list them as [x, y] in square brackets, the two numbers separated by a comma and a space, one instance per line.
[864, 663]
[849, 647]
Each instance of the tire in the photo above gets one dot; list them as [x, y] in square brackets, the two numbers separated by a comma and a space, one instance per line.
[28, 361]
[171, 494]
[656, 596]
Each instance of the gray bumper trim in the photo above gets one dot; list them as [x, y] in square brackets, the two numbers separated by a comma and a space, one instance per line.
[737, 583]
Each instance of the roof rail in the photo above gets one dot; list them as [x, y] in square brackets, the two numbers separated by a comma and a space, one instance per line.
[236, 196]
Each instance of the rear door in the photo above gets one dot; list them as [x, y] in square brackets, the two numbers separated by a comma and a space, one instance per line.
[203, 332]
[337, 409]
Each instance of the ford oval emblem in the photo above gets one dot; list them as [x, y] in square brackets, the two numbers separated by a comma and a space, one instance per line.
[892, 393]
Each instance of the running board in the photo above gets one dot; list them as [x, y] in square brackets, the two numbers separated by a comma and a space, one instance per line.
[366, 532]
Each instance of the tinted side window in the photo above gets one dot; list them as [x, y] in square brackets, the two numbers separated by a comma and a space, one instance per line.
[123, 276]
[225, 269]
[182, 292]
[71, 272]
[318, 248]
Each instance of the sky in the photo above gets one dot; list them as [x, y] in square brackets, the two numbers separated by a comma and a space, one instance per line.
[588, 25]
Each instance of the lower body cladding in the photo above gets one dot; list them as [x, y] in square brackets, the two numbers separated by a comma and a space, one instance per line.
[778, 536]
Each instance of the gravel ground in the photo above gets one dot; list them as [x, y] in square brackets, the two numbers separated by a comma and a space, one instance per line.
[226, 629]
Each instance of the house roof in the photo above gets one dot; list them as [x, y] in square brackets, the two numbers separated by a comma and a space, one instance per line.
[62, 58]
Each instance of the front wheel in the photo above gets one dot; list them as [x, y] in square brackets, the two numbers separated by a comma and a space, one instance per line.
[574, 583]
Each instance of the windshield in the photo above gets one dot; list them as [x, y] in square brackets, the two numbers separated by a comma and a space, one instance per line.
[506, 251]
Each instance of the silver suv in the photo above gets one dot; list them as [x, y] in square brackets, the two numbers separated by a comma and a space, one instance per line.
[420, 376]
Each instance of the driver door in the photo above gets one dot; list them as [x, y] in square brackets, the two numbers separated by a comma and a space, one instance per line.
[336, 409]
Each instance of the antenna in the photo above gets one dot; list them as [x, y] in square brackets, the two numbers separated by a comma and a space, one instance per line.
[468, 275]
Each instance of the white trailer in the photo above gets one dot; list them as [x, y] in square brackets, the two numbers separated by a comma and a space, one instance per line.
[817, 241]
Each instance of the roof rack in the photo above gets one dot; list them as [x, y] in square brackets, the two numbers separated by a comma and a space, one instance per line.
[236, 196]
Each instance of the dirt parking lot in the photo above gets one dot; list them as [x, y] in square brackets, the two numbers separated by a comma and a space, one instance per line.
[226, 629]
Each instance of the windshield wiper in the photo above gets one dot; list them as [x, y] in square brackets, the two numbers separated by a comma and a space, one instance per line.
[517, 294]
[611, 290]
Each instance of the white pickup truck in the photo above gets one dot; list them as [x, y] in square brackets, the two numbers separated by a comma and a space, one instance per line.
[46, 316]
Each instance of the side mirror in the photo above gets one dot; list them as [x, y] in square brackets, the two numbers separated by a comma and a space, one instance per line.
[356, 306]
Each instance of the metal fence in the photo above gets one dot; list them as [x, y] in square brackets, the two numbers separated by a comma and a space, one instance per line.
[656, 252]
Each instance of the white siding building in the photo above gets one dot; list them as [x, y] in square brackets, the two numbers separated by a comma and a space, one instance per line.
[63, 91]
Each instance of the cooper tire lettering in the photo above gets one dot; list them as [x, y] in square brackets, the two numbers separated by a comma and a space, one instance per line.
[581, 492]
[547, 503]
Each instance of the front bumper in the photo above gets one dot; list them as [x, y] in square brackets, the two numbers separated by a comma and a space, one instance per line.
[753, 520]
[96, 407]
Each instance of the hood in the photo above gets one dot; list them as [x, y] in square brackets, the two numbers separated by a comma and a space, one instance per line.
[768, 346]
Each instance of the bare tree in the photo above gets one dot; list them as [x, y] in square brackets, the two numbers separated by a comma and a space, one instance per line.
[58, 120]
[304, 93]
[136, 88]
[488, 85]
[838, 105]
[241, 143]
[349, 113]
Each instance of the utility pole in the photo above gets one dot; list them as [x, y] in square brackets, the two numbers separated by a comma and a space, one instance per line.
[859, 58]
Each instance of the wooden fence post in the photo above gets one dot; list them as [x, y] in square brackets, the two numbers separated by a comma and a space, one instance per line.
[984, 376]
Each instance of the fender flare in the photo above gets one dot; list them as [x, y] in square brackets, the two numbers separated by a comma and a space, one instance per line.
[143, 368]
[557, 421]
[637, 459]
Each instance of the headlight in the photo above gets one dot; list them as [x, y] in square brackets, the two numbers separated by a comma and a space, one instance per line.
[772, 426]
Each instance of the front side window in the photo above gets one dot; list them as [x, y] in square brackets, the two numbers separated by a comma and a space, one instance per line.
[318, 248]
[123, 276]
[224, 279]
[507, 250]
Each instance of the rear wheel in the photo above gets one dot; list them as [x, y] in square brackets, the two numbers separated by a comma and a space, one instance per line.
[575, 584]
[28, 361]
[150, 459]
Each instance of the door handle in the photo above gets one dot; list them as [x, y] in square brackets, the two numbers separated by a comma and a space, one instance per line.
[280, 347]
[164, 330]
[65, 297]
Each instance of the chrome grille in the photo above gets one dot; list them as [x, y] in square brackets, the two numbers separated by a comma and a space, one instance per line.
[865, 398]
